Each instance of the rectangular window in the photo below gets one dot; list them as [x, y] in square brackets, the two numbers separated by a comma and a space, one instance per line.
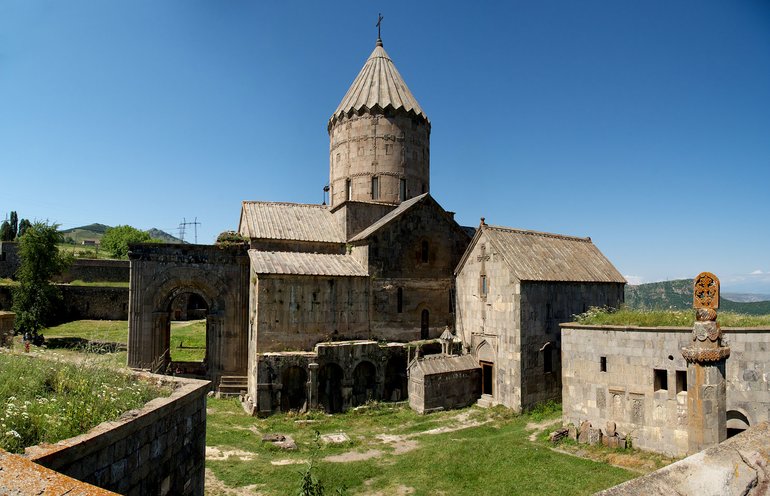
[547, 360]
[402, 189]
[681, 381]
[660, 380]
[360, 151]
[375, 188]
[388, 149]
[348, 190]
[603, 364]
[483, 285]
[400, 300]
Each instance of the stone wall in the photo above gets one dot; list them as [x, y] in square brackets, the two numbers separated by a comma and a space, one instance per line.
[158, 449]
[433, 387]
[9, 258]
[93, 302]
[636, 377]
[96, 271]
[295, 312]
[7, 320]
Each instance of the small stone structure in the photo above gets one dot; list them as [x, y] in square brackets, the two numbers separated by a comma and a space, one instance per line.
[7, 320]
[440, 382]
[157, 449]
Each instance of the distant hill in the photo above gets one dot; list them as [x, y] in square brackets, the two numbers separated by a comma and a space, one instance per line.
[96, 231]
[677, 295]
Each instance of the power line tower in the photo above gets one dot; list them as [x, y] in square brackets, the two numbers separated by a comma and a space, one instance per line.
[183, 227]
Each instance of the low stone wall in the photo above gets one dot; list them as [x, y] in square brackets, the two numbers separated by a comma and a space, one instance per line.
[158, 449]
[443, 382]
[94, 270]
[93, 302]
[738, 466]
[9, 258]
[636, 377]
[7, 320]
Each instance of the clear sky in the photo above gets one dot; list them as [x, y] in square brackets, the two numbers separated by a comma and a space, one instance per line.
[644, 125]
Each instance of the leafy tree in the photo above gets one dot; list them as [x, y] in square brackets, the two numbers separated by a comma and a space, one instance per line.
[14, 223]
[35, 299]
[6, 233]
[24, 224]
[116, 239]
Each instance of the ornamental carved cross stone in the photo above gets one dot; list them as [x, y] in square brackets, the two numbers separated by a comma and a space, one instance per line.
[706, 332]
[706, 291]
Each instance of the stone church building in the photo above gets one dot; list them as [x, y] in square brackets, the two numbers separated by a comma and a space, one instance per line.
[327, 305]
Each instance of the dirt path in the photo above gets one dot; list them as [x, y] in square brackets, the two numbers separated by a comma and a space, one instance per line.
[538, 427]
[215, 487]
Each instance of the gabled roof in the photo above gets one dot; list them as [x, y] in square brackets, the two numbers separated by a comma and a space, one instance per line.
[387, 218]
[306, 264]
[442, 364]
[289, 221]
[538, 256]
[378, 85]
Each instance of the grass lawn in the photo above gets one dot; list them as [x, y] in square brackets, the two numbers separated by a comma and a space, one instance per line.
[188, 339]
[665, 318]
[101, 284]
[473, 452]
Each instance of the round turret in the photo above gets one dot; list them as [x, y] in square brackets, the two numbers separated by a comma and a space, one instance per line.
[379, 138]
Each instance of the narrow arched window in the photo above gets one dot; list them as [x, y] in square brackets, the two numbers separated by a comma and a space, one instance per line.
[424, 252]
[400, 300]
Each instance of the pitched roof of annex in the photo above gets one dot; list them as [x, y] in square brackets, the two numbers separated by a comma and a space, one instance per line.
[378, 85]
[305, 264]
[389, 217]
[289, 221]
[539, 256]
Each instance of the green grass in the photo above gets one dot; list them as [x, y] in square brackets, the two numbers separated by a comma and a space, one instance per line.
[493, 458]
[665, 318]
[47, 401]
[6, 281]
[188, 341]
[101, 284]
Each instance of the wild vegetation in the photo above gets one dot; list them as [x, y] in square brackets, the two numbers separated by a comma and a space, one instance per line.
[46, 401]
[664, 318]
[677, 295]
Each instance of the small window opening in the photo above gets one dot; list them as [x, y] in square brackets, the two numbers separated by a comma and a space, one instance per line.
[547, 360]
[338, 158]
[483, 285]
[360, 151]
[402, 190]
[348, 189]
[424, 252]
[375, 188]
[400, 300]
[660, 379]
[681, 381]
[388, 149]
[603, 364]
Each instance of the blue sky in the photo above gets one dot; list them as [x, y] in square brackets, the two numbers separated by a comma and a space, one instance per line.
[644, 125]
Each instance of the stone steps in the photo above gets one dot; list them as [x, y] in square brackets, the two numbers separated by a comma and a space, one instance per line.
[486, 401]
[232, 385]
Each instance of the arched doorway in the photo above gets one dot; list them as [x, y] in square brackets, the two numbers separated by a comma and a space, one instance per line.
[425, 324]
[396, 382]
[294, 390]
[364, 383]
[330, 387]
[187, 338]
[486, 357]
[737, 422]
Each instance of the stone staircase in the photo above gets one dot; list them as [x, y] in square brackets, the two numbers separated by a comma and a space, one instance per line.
[486, 401]
[232, 385]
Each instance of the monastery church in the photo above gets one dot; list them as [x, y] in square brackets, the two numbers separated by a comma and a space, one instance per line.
[379, 295]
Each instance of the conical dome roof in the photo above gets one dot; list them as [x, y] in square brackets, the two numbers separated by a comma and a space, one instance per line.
[379, 84]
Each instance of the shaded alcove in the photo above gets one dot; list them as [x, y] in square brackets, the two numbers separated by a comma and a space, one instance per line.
[294, 390]
[737, 422]
[364, 383]
[330, 387]
[396, 380]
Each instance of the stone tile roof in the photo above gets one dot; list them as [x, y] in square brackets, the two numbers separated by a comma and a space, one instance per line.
[442, 364]
[290, 221]
[379, 84]
[306, 264]
[538, 256]
[387, 218]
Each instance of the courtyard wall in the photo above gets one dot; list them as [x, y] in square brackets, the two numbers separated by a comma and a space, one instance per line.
[157, 449]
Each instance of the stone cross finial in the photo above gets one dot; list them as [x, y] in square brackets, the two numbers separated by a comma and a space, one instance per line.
[706, 291]
[379, 24]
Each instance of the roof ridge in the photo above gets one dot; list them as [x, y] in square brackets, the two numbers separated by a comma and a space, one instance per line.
[286, 203]
[539, 233]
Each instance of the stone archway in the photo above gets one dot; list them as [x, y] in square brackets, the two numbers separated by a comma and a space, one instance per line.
[364, 383]
[330, 387]
[485, 354]
[218, 277]
[737, 422]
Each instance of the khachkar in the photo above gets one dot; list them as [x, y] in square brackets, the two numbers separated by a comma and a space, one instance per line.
[706, 357]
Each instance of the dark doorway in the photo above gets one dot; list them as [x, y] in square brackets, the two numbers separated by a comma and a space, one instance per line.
[294, 391]
[364, 383]
[330, 387]
[487, 378]
[396, 384]
[424, 324]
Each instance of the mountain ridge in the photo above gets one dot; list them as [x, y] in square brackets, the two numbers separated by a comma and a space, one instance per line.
[677, 295]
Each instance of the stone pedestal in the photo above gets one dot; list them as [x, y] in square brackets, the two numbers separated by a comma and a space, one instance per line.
[706, 398]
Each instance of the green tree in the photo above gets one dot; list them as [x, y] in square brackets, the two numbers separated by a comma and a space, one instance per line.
[24, 224]
[14, 223]
[116, 240]
[35, 299]
[6, 233]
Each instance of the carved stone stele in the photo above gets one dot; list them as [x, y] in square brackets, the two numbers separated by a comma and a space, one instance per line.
[706, 291]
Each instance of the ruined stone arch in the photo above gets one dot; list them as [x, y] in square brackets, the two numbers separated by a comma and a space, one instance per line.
[737, 421]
